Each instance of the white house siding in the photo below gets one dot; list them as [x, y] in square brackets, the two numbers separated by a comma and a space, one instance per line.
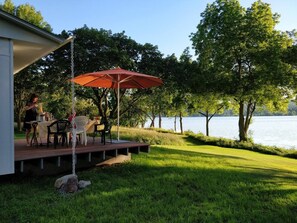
[6, 107]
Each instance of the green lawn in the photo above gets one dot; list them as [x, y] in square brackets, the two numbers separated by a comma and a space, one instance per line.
[19, 135]
[169, 184]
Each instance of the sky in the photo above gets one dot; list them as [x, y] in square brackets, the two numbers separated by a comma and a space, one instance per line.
[165, 23]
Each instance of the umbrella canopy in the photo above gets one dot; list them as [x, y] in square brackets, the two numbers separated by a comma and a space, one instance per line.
[111, 79]
[117, 78]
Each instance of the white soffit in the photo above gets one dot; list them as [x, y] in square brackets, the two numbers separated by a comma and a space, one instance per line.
[30, 43]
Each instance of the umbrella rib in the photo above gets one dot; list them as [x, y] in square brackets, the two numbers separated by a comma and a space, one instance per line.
[155, 79]
[125, 79]
[130, 78]
[90, 82]
[111, 77]
[137, 83]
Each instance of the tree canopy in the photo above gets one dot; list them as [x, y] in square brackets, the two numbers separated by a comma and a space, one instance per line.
[26, 12]
[243, 53]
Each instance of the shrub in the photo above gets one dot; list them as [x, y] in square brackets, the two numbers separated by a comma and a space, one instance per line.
[229, 143]
[155, 136]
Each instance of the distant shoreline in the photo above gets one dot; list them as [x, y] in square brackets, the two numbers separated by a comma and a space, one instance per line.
[280, 131]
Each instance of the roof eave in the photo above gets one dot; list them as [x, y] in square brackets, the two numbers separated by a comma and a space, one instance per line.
[30, 27]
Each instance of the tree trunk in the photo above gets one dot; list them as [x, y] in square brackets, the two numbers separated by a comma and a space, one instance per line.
[242, 132]
[101, 103]
[160, 121]
[152, 125]
[181, 123]
[244, 122]
[207, 124]
[19, 104]
[175, 123]
[19, 121]
[18, 118]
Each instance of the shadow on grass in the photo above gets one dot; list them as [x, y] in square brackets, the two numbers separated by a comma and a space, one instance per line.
[189, 154]
[193, 153]
[193, 141]
[142, 191]
[175, 194]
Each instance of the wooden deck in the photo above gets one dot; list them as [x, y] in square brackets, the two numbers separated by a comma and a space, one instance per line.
[43, 160]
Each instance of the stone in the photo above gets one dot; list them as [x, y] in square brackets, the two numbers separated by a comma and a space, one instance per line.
[63, 180]
[83, 184]
[71, 185]
[116, 160]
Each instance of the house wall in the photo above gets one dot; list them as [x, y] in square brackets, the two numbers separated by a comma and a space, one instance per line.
[6, 107]
[21, 44]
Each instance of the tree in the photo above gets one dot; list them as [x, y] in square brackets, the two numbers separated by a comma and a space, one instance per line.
[209, 105]
[179, 74]
[97, 50]
[243, 53]
[8, 6]
[152, 63]
[185, 70]
[26, 12]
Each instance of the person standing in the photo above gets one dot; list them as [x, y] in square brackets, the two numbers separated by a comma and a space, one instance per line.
[31, 114]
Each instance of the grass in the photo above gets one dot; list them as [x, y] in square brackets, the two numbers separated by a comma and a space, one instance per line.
[172, 183]
[19, 135]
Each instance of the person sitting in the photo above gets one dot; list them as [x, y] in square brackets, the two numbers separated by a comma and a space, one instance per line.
[31, 114]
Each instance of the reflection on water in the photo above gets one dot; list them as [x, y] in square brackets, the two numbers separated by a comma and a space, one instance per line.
[278, 131]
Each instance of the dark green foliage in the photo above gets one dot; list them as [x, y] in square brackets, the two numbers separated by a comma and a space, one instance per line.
[26, 12]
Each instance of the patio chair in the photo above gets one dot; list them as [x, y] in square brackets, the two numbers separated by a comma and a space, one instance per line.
[59, 128]
[103, 132]
[80, 128]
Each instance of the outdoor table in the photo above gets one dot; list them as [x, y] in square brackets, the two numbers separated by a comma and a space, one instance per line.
[42, 130]
[89, 127]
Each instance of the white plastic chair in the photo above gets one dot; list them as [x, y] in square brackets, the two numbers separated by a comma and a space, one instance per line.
[80, 128]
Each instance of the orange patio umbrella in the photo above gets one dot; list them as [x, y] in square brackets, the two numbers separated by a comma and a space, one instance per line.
[117, 78]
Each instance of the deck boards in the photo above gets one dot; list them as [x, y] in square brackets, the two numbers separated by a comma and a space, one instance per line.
[45, 158]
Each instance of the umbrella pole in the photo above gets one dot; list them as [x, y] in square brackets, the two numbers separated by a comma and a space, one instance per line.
[73, 108]
[118, 126]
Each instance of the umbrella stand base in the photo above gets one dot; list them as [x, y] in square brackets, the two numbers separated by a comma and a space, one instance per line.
[119, 141]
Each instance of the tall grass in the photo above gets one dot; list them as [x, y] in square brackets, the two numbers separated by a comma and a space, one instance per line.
[151, 136]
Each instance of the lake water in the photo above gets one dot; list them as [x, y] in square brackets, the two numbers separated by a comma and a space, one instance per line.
[280, 131]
